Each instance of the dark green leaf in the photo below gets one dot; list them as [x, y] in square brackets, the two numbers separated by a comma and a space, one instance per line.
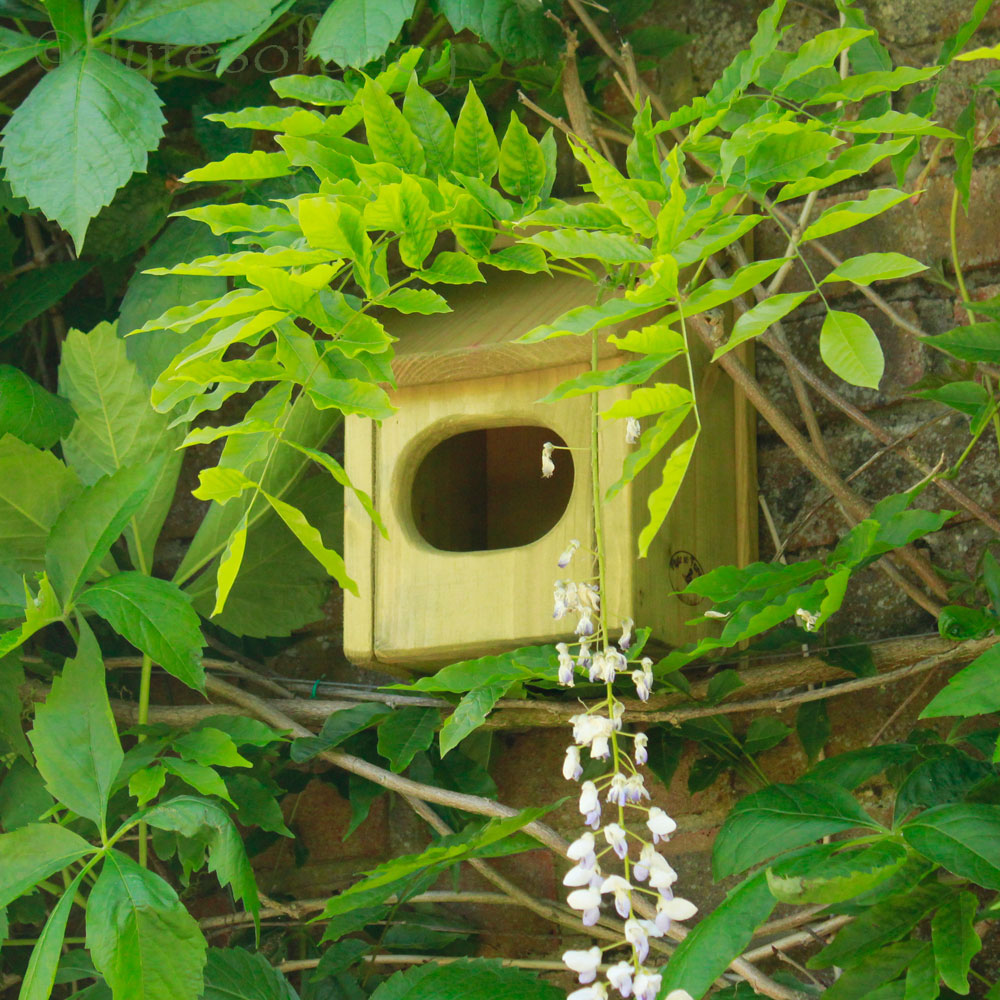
[974, 690]
[718, 938]
[32, 293]
[431, 125]
[781, 817]
[406, 732]
[30, 412]
[961, 838]
[237, 974]
[92, 117]
[74, 737]
[978, 342]
[764, 734]
[861, 981]
[855, 767]
[470, 714]
[156, 617]
[955, 940]
[90, 523]
[337, 728]
[142, 939]
[41, 973]
[465, 978]
[188, 22]
[354, 32]
[33, 853]
[209, 747]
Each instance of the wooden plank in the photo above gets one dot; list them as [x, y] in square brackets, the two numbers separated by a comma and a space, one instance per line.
[360, 457]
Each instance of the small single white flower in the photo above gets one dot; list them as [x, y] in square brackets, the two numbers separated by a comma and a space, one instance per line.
[633, 431]
[578, 875]
[636, 936]
[626, 638]
[583, 658]
[616, 790]
[661, 874]
[600, 748]
[640, 871]
[589, 596]
[584, 899]
[670, 909]
[566, 665]
[622, 890]
[615, 836]
[548, 466]
[572, 768]
[660, 824]
[582, 849]
[712, 613]
[617, 712]
[641, 748]
[588, 797]
[643, 679]
[646, 986]
[572, 596]
[635, 789]
[567, 553]
[806, 619]
[620, 978]
[583, 963]
[585, 625]
[598, 668]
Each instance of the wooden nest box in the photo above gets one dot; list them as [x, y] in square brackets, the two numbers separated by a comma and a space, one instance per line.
[475, 532]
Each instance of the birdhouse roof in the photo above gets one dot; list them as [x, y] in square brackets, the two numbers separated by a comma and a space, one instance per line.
[478, 338]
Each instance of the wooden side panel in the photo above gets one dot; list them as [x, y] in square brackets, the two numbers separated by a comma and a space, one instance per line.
[359, 540]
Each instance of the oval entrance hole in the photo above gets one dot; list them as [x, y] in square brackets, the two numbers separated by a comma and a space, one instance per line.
[483, 489]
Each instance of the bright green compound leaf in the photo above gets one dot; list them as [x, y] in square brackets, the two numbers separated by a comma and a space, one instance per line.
[229, 567]
[140, 935]
[757, 320]
[322, 91]
[450, 268]
[405, 733]
[75, 738]
[310, 537]
[630, 373]
[422, 301]
[207, 821]
[389, 133]
[781, 817]
[34, 487]
[846, 214]
[961, 838]
[569, 244]
[92, 117]
[522, 163]
[475, 977]
[90, 523]
[819, 51]
[432, 126]
[44, 962]
[662, 498]
[354, 32]
[221, 484]
[476, 150]
[850, 349]
[254, 166]
[32, 853]
[955, 940]
[156, 617]
[871, 267]
[30, 412]
[718, 938]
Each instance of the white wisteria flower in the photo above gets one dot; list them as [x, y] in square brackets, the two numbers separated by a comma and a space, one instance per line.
[660, 824]
[620, 977]
[583, 849]
[572, 769]
[589, 902]
[636, 936]
[590, 804]
[567, 553]
[633, 430]
[641, 754]
[622, 889]
[646, 986]
[580, 875]
[626, 637]
[806, 619]
[615, 836]
[616, 790]
[548, 466]
[585, 626]
[643, 678]
[674, 908]
[566, 665]
[635, 789]
[596, 991]
[583, 963]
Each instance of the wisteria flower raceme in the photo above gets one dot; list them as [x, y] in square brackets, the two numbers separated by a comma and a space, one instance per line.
[584, 963]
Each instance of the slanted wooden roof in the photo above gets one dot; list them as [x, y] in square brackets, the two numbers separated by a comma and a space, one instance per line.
[477, 339]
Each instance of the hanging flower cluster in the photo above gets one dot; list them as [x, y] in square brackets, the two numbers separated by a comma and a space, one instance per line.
[613, 806]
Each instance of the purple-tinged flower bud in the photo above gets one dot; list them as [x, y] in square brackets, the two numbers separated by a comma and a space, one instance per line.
[615, 836]
[572, 768]
[584, 963]
[582, 849]
[583, 658]
[620, 978]
[585, 625]
[566, 665]
[636, 936]
[616, 790]
[622, 890]
[567, 553]
[641, 748]
[626, 637]
[646, 986]
[660, 824]
[635, 789]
